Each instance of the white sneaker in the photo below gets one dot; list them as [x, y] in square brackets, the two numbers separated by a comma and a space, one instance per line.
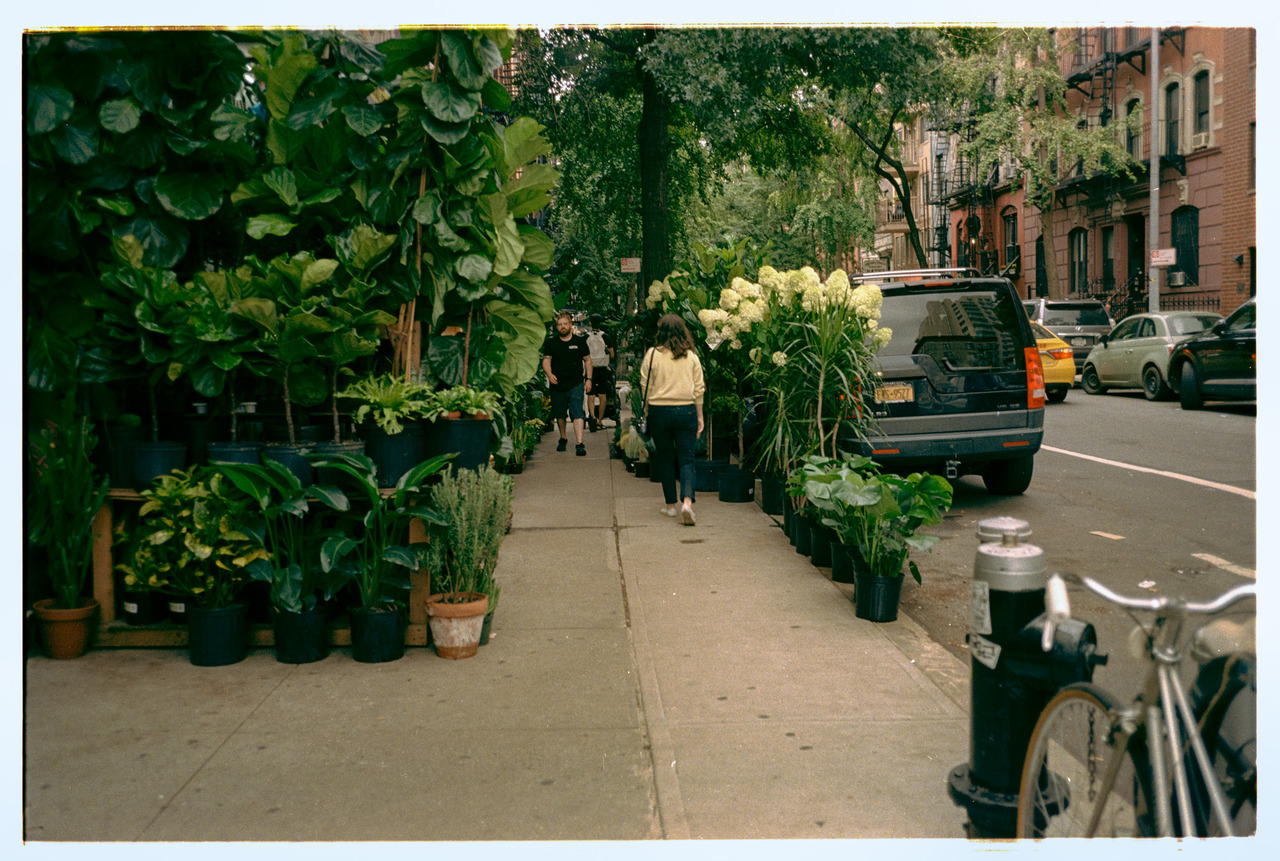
[686, 515]
[670, 510]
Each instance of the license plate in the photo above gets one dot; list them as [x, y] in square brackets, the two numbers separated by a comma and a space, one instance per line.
[895, 394]
[1079, 342]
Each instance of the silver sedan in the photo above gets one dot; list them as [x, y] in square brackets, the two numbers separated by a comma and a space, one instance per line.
[1136, 352]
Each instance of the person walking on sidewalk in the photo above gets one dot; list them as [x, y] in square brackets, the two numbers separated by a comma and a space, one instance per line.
[671, 377]
[602, 352]
[566, 360]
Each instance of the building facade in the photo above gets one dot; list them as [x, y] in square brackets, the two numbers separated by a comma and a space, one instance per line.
[1094, 241]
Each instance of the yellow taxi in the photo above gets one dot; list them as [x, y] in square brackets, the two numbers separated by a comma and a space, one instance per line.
[1059, 364]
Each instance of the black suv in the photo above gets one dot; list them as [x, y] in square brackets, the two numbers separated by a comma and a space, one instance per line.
[961, 388]
[1220, 363]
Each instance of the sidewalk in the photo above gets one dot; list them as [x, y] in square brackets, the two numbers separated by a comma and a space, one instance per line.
[644, 680]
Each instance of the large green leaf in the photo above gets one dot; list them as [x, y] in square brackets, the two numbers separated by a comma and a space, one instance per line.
[305, 113]
[76, 144]
[362, 247]
[445, 133]
[308, 384]
[318, 272]
[523, 142]
[496, 96]
[282, 181]
[531, 291]
[286, 74]
[509, 247]
[474, 268]
[462, 60]
[364, 120]
[449, 104]
[273, 225]
[539, 250]
[48, 107]
[120, 115]
[188, 196]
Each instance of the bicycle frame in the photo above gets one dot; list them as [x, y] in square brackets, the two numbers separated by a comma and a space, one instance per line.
[1162, 708]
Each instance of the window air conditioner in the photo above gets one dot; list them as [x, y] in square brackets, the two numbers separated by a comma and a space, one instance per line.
[1177, 278]
[1200, 141]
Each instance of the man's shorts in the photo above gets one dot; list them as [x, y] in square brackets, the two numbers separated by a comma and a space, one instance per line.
[602, 381]
[568, 401]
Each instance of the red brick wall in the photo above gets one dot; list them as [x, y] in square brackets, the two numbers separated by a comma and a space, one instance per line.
[1239, 201]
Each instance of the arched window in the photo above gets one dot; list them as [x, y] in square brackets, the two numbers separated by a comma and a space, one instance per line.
[1078, 241]
[1012, 247]
[1172, 119]
[1133, 129]
[1201, 95]
[1186, 240]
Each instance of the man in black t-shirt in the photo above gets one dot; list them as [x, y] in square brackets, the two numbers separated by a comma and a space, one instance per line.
[566, 360]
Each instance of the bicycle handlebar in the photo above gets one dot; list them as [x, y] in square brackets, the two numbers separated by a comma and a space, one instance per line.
[1059, 606]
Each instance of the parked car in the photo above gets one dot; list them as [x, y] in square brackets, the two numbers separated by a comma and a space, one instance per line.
[1136, 352]
[1220, 363]
[961, 387]
[1079, 322]
[1059, 363]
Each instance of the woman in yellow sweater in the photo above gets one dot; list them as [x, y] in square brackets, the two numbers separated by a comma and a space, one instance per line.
[671, 378]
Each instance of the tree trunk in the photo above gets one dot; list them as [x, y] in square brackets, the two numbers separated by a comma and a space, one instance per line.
[655, 153]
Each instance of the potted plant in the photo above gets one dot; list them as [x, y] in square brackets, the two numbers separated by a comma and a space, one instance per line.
[881, 516]
[143, 600]
[373, 551]
[63, 500]
[210, 539]
[462, 552]
[461, 421]
[388, 413]
[299, 623]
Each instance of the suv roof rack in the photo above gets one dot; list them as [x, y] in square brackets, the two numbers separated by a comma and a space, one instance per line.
[913, 274]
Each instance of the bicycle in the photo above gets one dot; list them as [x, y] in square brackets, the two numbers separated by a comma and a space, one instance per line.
[1095, 768]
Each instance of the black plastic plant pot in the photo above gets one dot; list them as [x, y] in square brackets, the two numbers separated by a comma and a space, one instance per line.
[121, 440]
[395, 454]
[820, 545]
[144, 608]
[301, 638]
[154, 459]
[377, 636]
[468, 438]
[641, 469]
[217, 636]
[235, 452]
[846, 562]
[293, 457]
[772, 498]
[736, 484]
[707, 477]
[876, 597]
[804, 534]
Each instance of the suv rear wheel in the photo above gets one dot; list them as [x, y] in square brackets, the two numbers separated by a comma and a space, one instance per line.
[1008, 477]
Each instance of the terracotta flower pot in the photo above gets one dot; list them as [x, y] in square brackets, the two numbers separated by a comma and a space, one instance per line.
[66, 633]
[456, 624]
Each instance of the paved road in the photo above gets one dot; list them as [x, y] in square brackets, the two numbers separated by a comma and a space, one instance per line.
[1143, 496]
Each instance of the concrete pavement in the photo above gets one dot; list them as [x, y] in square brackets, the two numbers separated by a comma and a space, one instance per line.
[644, 681]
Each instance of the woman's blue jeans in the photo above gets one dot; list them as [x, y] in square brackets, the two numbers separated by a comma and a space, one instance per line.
[675, 432]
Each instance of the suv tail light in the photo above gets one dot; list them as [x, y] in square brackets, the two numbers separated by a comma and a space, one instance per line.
[1035, 379]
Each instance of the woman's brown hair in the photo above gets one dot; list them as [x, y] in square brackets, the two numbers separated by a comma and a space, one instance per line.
[674, 335]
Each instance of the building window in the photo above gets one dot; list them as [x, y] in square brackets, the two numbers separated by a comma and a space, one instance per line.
[1012, 250]
[1133, 129]
[1186, 240]
[1172, 117]
[1079, 271]
[1108, 259]
[1202, 103]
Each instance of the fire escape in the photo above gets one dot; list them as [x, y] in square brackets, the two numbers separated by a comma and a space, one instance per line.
[958, 185]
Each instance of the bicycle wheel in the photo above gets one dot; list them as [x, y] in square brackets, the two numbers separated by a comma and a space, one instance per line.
[1062, 779]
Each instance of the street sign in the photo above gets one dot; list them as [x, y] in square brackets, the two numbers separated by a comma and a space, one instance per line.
[630, 264]
[1164, 257]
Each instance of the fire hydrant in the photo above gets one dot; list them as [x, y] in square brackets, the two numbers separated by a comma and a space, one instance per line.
[1013, 678]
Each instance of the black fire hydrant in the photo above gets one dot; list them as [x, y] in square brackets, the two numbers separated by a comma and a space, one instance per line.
[1013, 678]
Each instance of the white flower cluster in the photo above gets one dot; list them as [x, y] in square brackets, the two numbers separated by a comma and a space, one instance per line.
[658, 292]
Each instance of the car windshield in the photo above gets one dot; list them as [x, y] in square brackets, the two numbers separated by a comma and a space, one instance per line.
[962, 331]
[1075, 315]
[1192, 325]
